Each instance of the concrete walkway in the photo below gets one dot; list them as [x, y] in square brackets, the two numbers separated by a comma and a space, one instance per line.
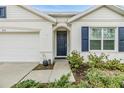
[42, 76]
[61, 67]
[11, 73]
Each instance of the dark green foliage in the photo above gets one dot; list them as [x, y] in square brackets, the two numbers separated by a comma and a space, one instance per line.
[102, 62]
[97, 79]
[82, 84]
[28, 84]
[75, 60]
[63, 82]
[93, 58]
[94, 78]
[114, 65]
[96, 61]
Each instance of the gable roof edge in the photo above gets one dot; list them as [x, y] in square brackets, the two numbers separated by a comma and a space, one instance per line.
[47, 17]
[93, 9]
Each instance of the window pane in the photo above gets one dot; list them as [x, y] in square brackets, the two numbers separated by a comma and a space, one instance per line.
[109, 33]
[95, 34]
[95, 44]
[108, 44]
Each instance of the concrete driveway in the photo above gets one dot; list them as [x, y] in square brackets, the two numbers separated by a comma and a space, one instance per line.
[11, 73]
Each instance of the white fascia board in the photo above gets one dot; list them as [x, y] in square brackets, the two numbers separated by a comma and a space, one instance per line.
[113, 7]
[47, 17]
[83, 13]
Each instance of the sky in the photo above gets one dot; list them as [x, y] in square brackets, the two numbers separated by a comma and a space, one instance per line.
[61, 8]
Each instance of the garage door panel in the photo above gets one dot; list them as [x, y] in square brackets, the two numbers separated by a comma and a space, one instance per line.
[19, 46]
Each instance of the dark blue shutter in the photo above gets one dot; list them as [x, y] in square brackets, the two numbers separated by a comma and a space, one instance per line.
[85, 38]
[2, 12]
[121, 39]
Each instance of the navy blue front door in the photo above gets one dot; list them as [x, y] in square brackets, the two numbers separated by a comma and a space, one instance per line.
[61, 43]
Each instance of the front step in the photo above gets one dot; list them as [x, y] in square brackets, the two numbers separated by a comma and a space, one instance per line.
[60, 60]
[60, 57]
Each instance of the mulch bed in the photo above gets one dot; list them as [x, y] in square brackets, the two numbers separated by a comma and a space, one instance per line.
[79, 74]
[42, 67]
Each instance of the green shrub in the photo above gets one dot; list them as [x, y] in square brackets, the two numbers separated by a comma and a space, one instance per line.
[63, 82]
[115, 81]
[121, 67]
[96, 61]
[111, 64]
[97, 79]
[114, 64]
[29, 84]
[75, 60]
[102, 62]
[82, 84]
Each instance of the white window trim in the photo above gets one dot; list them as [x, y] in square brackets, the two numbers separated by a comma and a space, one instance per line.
[115, 41]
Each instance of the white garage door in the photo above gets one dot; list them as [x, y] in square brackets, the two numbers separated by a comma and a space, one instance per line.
[19, 47]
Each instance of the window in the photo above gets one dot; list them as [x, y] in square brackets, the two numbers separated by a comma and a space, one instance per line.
[108, 38]
[2, 12]
[102, 38]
